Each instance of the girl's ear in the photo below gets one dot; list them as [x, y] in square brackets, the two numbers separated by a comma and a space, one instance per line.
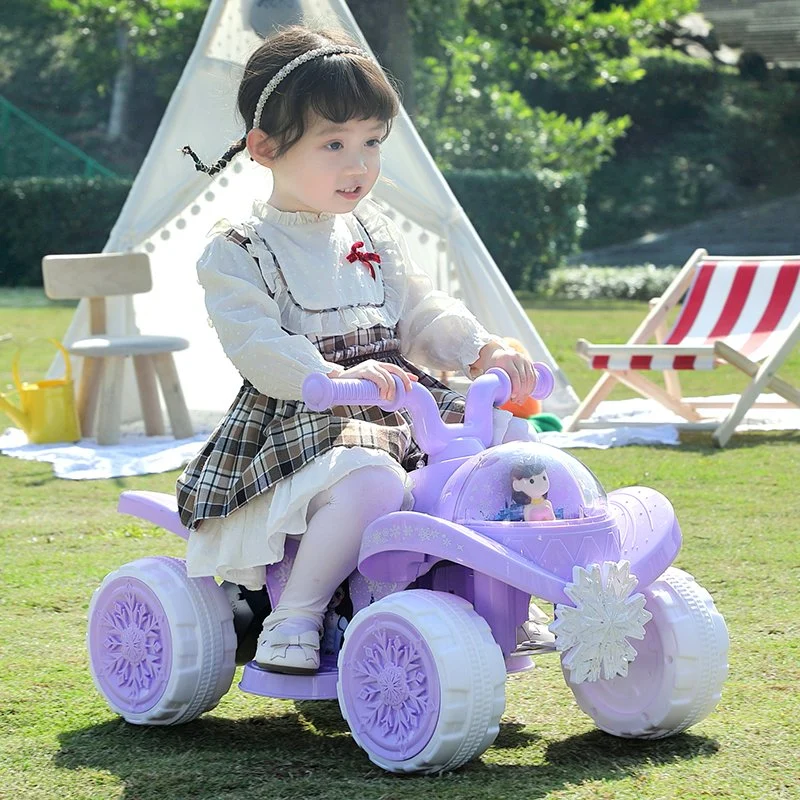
[261, 147]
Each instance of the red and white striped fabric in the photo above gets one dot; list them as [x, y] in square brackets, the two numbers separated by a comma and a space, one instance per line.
[747, 304]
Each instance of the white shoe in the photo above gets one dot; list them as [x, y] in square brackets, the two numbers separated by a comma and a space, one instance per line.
[534, 637]
[289, 645]
[536, 614]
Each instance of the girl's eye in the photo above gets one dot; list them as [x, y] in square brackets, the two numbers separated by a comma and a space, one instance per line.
[374, 143]
[335, 146]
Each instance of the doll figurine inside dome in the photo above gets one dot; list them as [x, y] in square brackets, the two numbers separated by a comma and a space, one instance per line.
[530, 485]
[523, 482]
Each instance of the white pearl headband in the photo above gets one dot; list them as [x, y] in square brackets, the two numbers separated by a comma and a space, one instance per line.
[329, 50]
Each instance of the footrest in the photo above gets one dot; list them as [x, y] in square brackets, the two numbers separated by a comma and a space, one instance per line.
[316, 686]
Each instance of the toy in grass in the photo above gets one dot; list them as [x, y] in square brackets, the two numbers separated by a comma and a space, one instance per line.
[430, 617]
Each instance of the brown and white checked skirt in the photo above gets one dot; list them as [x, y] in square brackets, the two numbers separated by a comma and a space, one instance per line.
[262, 440]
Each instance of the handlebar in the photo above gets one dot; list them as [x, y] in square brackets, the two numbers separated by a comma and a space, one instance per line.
[321, 392]
[435, 437]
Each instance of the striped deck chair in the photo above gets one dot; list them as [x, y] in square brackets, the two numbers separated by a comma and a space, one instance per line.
[737, 310]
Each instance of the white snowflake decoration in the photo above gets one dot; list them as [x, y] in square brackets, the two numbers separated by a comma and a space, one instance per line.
[593, 636]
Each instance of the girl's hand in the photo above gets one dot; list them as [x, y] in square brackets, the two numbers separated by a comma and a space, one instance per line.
[380, 374]
[518, 367]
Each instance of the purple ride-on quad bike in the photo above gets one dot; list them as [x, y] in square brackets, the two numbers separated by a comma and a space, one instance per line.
[430, 617]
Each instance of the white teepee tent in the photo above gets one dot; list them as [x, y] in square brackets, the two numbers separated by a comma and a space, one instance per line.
[171, 207]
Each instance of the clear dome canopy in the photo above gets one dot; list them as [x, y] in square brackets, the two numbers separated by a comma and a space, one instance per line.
[522, 482]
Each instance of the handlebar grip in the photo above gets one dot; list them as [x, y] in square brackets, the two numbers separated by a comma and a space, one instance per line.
[545, 381]
[321, 393]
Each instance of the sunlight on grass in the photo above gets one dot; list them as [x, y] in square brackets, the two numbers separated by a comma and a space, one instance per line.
[737, 509]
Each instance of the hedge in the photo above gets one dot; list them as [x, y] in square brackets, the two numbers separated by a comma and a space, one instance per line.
[528, 221]
[53, 215]
[703, 140]
[608, 283]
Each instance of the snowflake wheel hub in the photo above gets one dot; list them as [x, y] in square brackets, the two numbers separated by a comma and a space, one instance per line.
[392, 687]
[130, 644]
[593, 635]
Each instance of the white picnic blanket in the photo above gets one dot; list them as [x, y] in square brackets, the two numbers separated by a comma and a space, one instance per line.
[137, 454]
[642, 421]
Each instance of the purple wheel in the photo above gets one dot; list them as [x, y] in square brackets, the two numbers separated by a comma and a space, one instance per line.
[161, 645]
[421, 682]
[130, 638]
[676, 679]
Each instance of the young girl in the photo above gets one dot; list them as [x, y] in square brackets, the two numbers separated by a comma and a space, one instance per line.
[317, 280]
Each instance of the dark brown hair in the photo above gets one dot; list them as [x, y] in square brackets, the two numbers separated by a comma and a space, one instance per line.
[527, 469]
[337, 88]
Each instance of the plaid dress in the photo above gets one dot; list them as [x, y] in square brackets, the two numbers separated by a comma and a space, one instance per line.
[262, 440]
[251, 485]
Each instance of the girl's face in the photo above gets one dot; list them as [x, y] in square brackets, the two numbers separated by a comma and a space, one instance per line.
[535, 486]
[331, 168]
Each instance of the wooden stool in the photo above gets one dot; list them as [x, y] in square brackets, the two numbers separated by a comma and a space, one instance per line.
[97, 276]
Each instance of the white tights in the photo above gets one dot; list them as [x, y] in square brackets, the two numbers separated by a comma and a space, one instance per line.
[328, 550]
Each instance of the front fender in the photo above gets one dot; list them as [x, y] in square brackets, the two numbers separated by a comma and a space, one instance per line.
[650, 536]
[402, 546]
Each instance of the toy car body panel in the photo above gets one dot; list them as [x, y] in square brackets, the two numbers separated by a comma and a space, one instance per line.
[650, 536]
[406, 544]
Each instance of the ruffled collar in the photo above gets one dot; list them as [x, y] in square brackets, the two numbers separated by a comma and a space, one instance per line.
[325, 305]
[263, 210]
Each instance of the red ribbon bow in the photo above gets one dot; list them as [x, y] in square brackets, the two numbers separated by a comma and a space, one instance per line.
[354, 255]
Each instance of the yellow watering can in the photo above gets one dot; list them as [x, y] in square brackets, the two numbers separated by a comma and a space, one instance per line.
[47, 410]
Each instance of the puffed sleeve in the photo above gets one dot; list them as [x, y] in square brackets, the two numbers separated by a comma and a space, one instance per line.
[247, 322]
[435, 329]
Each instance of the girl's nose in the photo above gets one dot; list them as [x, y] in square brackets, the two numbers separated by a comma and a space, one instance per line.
[358, 165]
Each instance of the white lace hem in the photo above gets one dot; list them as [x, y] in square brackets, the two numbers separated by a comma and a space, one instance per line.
[237, 547]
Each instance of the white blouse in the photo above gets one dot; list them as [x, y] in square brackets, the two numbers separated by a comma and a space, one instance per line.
[294, 284]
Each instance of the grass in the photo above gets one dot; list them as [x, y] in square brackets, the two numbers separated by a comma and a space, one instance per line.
[738, 508]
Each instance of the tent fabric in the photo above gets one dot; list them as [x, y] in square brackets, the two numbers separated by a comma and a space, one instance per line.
[171, 208]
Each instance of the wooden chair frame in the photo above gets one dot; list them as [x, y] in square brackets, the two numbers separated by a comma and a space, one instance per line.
[94, 277]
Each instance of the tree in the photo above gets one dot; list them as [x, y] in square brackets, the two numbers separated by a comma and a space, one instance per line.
[118, 36]
[490, 72]
[30, 42]
[386, 26]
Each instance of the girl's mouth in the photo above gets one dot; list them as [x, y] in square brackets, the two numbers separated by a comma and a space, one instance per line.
[350, 193]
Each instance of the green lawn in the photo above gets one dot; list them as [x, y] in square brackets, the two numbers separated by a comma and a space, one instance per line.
[738, 507]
